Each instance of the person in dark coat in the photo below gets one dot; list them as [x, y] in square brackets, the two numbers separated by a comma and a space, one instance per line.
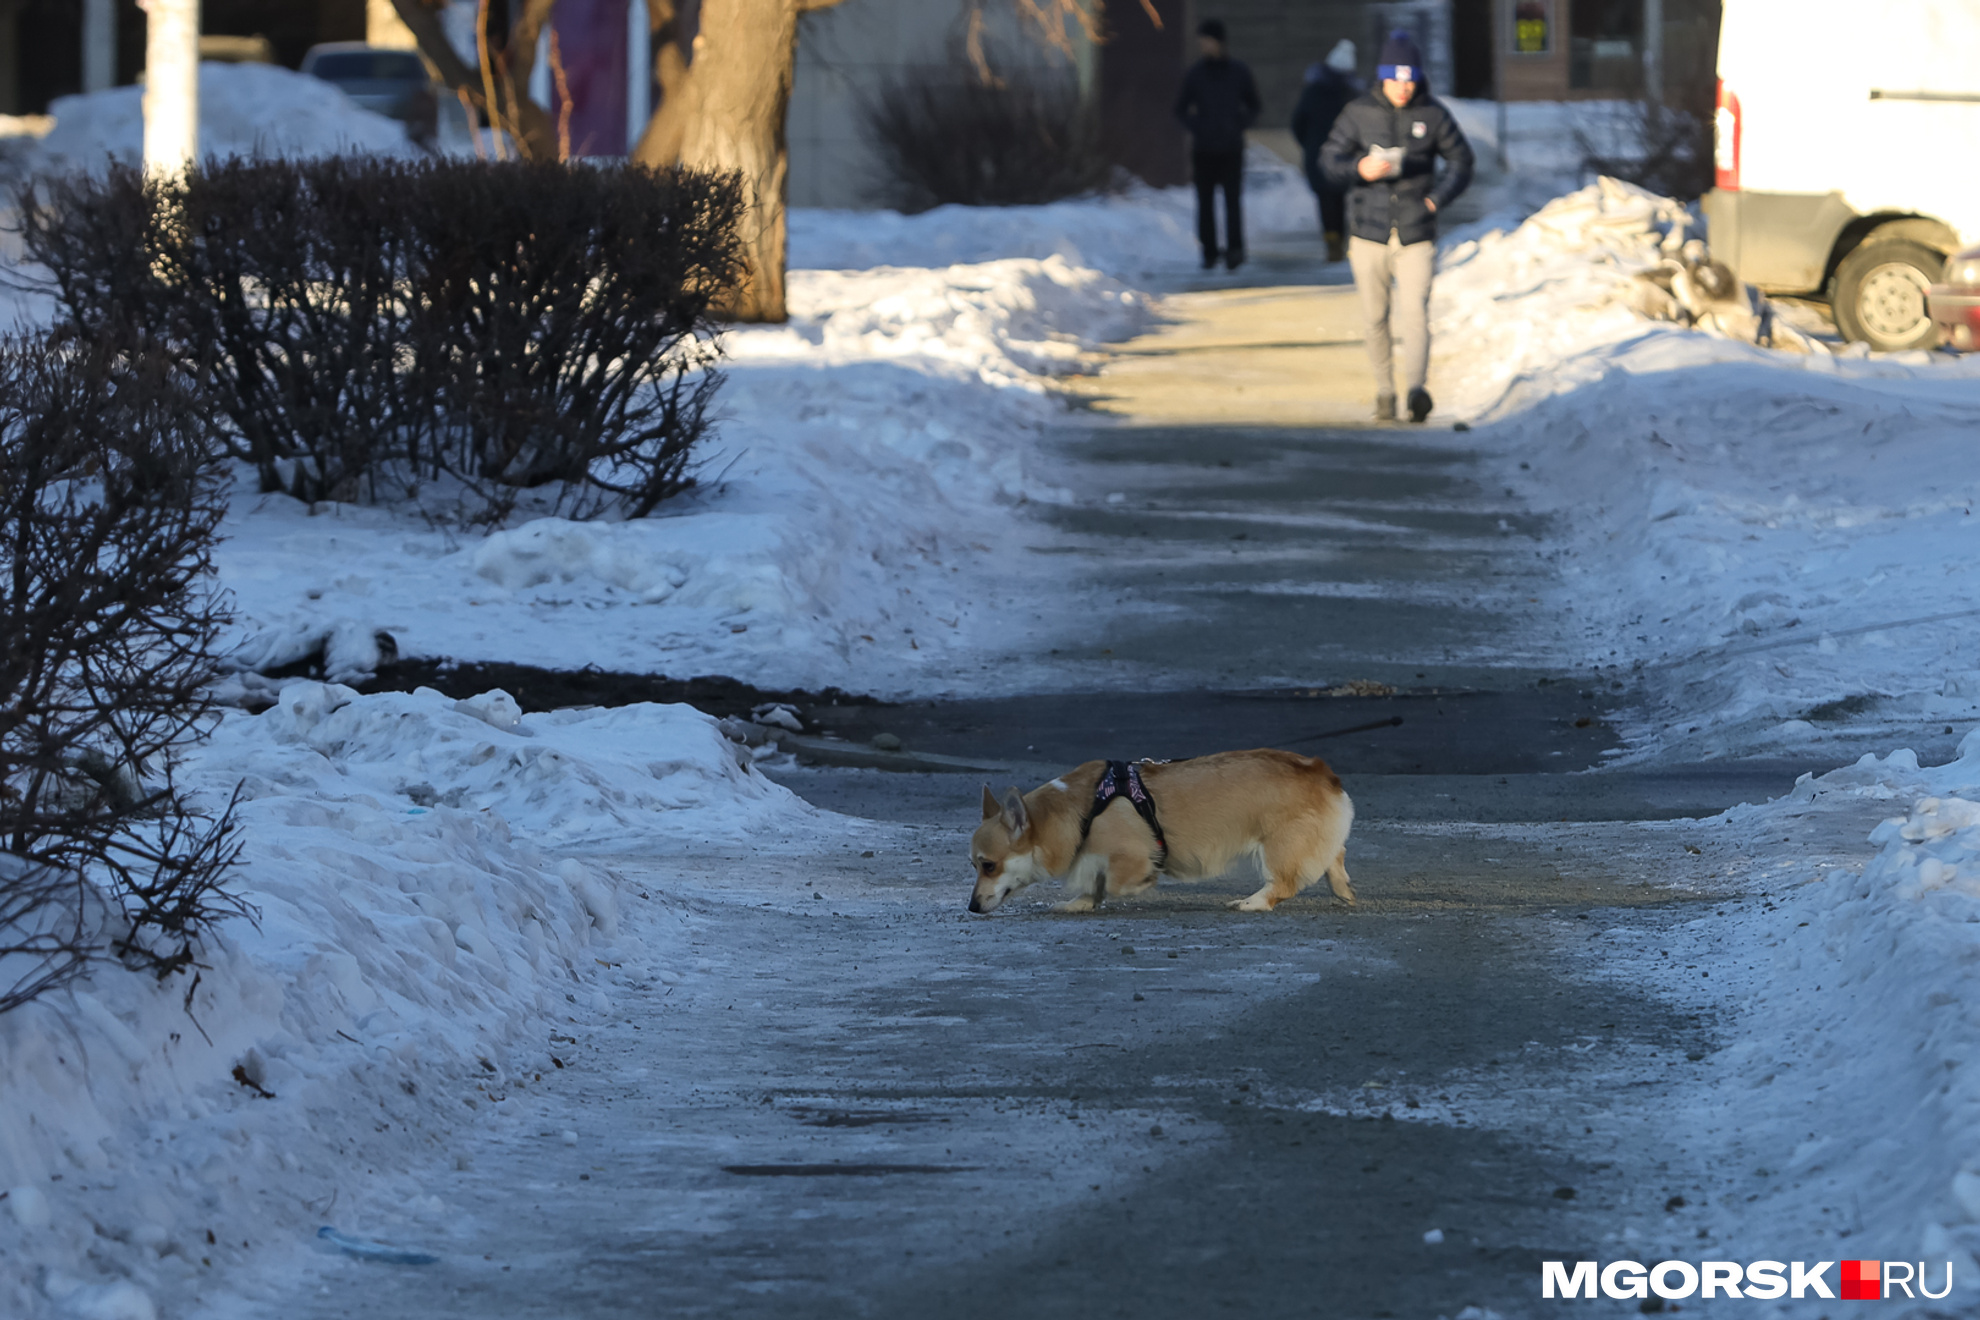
[1329, 88]
[1384, 150]
[1217, 103]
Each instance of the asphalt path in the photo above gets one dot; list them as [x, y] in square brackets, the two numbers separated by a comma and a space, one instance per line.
[859, 1101]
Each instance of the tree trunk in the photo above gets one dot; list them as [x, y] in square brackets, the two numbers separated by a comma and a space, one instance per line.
[171, 86]
[725, 111]
[533, 128]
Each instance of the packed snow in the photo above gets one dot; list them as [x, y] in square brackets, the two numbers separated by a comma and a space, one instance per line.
[251, 110]
[1866, 982]
[1777, 541]
[852, 527]
[434, 896]
[1135, 234]
[1844, 1106]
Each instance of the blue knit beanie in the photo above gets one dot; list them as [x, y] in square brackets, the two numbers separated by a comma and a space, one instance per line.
[1401, 60]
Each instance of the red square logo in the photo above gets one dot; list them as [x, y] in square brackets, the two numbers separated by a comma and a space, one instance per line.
[1862, 1280]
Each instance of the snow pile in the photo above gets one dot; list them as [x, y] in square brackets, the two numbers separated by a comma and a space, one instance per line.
[570, 779]
[417, 946]
[1006, 321]
[1542, 149]
[1524, 306]
[1142, 231]
[853, 528]
[250, 110]
[1778, 537]
[1861, 1014]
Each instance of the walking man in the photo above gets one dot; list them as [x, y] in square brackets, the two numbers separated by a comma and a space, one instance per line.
[1384, 151]
[1329, 88]
[1218, 102]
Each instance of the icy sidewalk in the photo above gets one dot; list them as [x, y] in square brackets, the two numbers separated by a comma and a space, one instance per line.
[431, 907]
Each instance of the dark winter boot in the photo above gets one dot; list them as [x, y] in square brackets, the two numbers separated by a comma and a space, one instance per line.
[1419, 404]
[1234, 258]
[1385, 407]
[1210, 258]
[1336, 248]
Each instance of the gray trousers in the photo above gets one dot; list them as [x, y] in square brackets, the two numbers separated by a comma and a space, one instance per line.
[1401, 313]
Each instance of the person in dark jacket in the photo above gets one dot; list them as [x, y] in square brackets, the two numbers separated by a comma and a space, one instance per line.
[1329, 88]
[1384, 150]
[1217, 103]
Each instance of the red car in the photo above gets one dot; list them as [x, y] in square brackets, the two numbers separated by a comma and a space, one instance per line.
[1955, 304]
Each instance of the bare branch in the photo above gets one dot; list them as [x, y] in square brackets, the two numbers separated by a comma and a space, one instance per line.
[502, 96]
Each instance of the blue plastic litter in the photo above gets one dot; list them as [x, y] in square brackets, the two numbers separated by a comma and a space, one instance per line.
[382, 1252]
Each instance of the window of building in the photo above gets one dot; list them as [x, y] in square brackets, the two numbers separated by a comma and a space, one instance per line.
[1532, 27]
[1605, 46]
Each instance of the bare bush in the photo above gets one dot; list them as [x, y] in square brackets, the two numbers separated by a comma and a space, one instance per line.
[109, 504]
[1666, 148]
[366, 327]
[956, 134]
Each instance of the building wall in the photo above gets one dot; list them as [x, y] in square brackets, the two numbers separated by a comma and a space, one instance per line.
[1280, 38]
[1575, 68]
[849, 52]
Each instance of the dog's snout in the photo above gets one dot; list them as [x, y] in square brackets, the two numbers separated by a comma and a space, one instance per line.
[975, 903]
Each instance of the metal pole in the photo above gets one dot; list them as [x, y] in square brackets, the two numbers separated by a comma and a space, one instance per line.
[171, 86]
[1501, 44]
[99, 52]
[1653, 51]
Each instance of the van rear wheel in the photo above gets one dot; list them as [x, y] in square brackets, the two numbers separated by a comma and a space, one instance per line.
[1880, 294]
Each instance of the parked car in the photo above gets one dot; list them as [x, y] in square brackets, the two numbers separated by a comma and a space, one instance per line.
[1845, 138]
[1955, 303]
[391, 82]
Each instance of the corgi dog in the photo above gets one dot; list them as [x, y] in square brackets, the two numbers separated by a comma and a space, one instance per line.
[1113, 827]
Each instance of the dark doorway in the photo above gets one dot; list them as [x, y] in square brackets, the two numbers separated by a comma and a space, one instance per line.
[1472, 52]
[1605, 46]
[47, 53]
[1141, 68]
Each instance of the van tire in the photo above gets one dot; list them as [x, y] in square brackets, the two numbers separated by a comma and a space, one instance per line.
[1880, 294]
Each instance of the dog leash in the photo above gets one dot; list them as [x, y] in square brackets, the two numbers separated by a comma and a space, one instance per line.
[1389, 723]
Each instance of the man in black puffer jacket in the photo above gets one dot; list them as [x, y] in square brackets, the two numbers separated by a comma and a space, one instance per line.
[1217, 103]
[1384, 150]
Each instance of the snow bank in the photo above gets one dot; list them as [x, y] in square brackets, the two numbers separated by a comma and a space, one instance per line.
[853, 528]
[1008, 322]
[1140, 232]
[1542, 150]
[423, 925]
[244, 110]
[1763, 531]
[1860, 1010]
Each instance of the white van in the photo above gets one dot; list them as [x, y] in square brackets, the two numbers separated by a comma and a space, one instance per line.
[1848, 154]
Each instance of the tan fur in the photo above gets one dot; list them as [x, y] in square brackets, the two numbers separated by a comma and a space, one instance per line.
[1287, 810]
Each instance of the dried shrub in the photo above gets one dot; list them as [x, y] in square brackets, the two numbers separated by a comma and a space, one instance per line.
[364, 328]
[1666, 148]
[952, 134]
[109, 504]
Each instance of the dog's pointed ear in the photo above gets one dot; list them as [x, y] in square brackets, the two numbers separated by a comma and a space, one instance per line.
[1015, 818]
[990, 804]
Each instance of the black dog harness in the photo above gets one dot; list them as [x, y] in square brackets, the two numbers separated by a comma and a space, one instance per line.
[1123, 779]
